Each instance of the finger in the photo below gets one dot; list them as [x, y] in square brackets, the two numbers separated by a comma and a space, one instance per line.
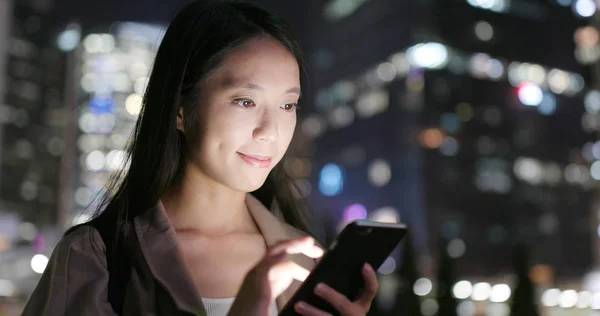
[305, 245]
[290, 269]
[284, 244]
[339, 301]
[281, 276]
[270, 261]
[306, 309]
[371, 286]
[313, 252]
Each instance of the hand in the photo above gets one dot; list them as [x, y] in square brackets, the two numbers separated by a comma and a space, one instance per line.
[340, 302]
[273, 275]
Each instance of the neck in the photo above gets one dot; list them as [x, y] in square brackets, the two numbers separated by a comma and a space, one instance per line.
[201, 205]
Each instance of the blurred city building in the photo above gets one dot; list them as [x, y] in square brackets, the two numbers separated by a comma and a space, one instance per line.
[32, 131]
[111, 77]
[471, 121]
[76, 141]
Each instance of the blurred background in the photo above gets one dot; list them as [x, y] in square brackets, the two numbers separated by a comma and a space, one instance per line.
[475, 122]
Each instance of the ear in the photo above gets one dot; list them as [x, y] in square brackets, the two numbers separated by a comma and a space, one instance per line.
[180, 120]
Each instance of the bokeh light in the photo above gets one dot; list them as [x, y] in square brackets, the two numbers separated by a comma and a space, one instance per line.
[341, 116]
[379, 172]
[429, 307]
[548, 104]
[585, 8]
[551, 297]
[355, 211]
[462, 289]
[481, 291]
[484, 31]
[530, 94]
[456, 248]
[388, 267]
[431, 138]
[313, 126]
[466, 308]
[568, 299]
[500, 293]
[429, 55]
[39, 263]
[386, 214]
[423, 287]
[133, 104]
[331, 180]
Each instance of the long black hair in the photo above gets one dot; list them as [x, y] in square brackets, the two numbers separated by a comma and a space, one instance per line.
[193, 47]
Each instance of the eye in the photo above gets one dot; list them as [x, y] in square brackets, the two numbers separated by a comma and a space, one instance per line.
[244, 103]
[289, 107]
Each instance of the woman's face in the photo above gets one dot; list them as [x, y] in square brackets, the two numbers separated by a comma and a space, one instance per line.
[246, 115]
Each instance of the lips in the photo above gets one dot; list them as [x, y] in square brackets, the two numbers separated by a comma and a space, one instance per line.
[257, 161]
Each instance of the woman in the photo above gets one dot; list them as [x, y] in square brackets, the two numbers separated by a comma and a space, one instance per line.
[185, 230]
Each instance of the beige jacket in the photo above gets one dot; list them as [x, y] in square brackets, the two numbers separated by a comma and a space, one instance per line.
[76, 278]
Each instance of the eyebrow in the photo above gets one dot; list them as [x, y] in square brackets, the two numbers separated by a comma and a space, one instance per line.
[252, 86]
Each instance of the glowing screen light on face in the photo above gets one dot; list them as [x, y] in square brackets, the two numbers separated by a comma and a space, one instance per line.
[331, 180]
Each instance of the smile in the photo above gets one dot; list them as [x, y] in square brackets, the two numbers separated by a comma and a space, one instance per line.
[256, 161]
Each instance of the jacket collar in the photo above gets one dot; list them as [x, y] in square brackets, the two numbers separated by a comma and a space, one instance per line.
[159, 247]
[274, 230]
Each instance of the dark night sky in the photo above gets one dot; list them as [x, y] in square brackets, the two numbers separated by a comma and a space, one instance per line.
[95, 12]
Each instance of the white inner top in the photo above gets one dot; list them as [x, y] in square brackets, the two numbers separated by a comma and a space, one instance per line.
[221, 306]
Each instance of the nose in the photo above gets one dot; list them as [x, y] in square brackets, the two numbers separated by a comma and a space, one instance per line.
[266, 130]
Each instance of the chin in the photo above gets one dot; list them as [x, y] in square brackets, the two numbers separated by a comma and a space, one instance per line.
[250, 185]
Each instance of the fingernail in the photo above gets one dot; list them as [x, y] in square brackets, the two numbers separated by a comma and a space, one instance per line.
[367, 267]
[320, 287]
[300, 305]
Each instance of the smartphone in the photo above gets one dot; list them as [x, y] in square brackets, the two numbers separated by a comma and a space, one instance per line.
[340, 267]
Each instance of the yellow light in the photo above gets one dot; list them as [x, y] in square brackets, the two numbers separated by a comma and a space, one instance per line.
[133, 104]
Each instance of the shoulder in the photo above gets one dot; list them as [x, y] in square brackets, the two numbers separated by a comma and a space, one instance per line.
[75, 279]
[84, 240]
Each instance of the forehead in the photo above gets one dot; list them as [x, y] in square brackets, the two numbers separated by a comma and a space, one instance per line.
[261, 60]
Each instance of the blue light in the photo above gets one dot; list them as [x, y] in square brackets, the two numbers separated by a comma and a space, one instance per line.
[548, 104]
[450, 122]
[450, 229]
[102, 105]
[331, 180]
[68, 39]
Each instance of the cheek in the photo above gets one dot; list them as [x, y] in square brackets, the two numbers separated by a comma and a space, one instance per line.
[287, 132]
[223, 126]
